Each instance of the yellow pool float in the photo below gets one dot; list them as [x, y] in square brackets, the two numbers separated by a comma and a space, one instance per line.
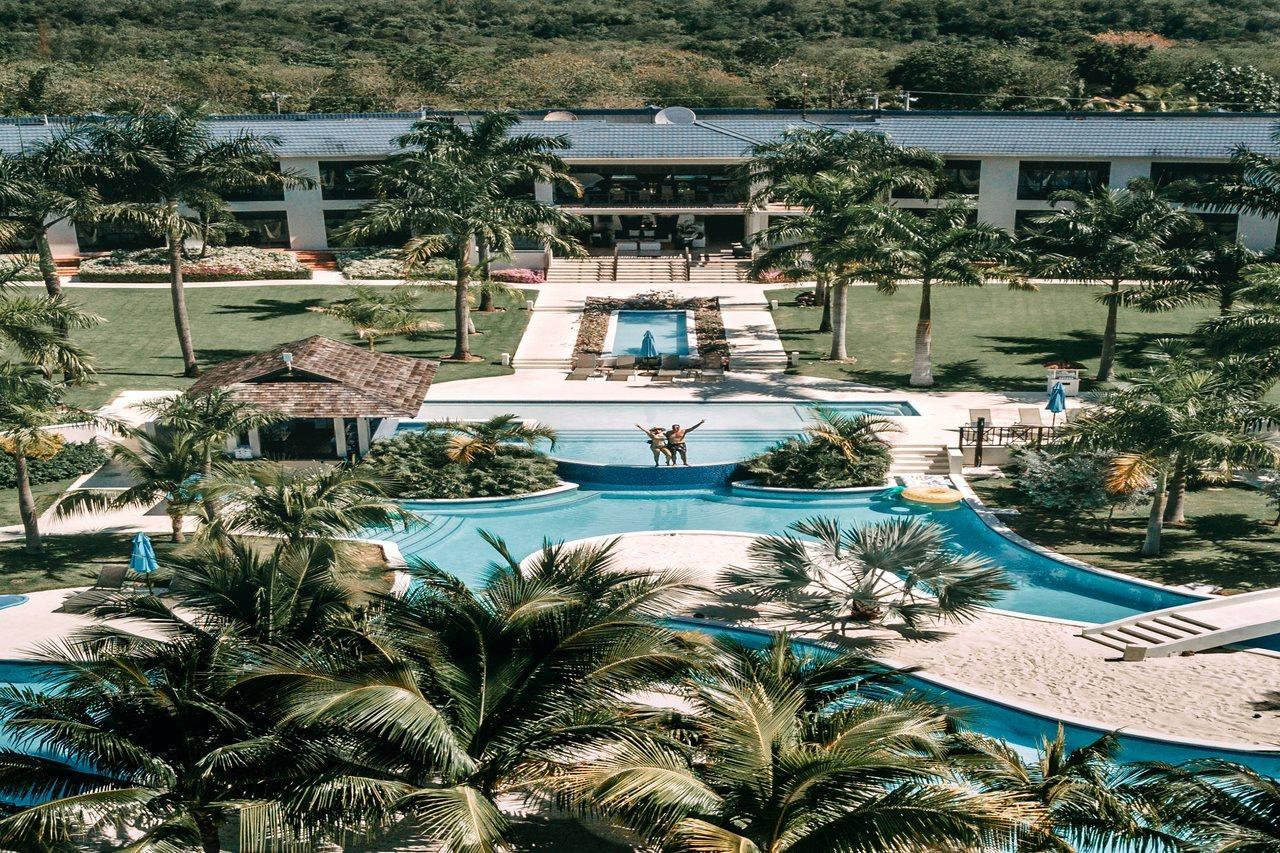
[931, 495]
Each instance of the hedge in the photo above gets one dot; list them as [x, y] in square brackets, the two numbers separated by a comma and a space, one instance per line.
[416, 466]
[238, 263]
[70, 462]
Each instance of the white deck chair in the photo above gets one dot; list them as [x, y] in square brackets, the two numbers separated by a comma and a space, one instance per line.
[1030, 416]
[985, 414]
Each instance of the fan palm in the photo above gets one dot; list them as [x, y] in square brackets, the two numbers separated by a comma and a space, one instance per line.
[782, 171]
[901, 568]
[164, 163]
[301, 504]
[767, 761]
[1217, 805]
[378, 312]
[168, 466]
[940, 247]
[132, 732]
[472, 440]
[1110, 237]
[1176, 415]
[461, 697]
[454, 184]
[1085, 799]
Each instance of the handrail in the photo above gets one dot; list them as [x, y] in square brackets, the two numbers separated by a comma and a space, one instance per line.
[981, 435]
[615, 263]
[688, 264]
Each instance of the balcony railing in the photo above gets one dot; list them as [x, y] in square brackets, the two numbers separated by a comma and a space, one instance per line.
[981, 435]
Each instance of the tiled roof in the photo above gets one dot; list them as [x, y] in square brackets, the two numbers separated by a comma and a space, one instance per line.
[330, 379]
[722, 134]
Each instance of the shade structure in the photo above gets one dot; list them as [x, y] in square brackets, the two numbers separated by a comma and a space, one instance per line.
[1057, 400]
[648, 349]
[142, 561]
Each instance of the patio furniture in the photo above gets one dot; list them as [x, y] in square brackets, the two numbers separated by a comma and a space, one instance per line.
[110, 580]
[1072, 414]
[1030, 416]
[669, 362]
[621, 375]
[740, 251]
[980, 414]
[711, 374]
[625, 361]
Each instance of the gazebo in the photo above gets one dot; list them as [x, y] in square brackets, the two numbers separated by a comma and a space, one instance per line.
[333, 395]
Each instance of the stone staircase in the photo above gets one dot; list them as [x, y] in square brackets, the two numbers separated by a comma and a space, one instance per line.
[67, 267]
[663, 269]
[317, 260]
[919, 459]
[580, 270]
[719, 268]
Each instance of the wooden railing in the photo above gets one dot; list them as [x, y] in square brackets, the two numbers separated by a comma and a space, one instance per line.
[982, 435]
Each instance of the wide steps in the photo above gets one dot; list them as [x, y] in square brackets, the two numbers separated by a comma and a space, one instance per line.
[919, 459]
[1191, 627]
[317, 260]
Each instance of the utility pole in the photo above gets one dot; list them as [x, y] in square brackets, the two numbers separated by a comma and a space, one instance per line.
[907, 100]
[804, 94]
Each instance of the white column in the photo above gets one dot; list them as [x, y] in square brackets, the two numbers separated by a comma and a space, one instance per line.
[1257, 232]
[998, 191]
[362, 435]
[229, 446]
[304, 207]
[1124, 171]
[340, 437]
[542, 191]
[62, 239]
[255, 442]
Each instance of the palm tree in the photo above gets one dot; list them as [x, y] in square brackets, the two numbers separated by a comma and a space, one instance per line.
[379, 312]
[1110, 237]
[780, 171]
[209, 418]
[902, 568]
[1173, 417]
[165, 163]
[462, 699]
[1217, 804]
[131, 732]
[786, 752]
[940, 247]
[454, 184]
[167, 466]
[34, 328]
[296, 505]
[834, 451]
[1085, 799]
[45, 184]
[471, 440]
[1211, 271]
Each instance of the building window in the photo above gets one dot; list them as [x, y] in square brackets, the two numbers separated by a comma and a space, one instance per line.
[1176, 176]
[1038, 180]
[110, 236]
[655, 186]
[342, 179]
[959, 177]
[1224, 225]
[273, 191]
[336, 220]
[265, 229]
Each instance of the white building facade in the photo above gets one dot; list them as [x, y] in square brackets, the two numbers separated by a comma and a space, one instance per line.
[665, 180]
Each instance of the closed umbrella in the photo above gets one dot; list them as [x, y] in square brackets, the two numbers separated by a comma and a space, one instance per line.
[648, 347]
[143, 559]
[1057, 401]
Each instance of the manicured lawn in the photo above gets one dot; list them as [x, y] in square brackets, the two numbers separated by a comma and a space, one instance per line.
[986, 338]
[137, 347]
[1228, 540]
[46, 494]
[77, 560]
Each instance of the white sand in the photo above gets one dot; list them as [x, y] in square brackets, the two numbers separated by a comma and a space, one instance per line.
[1043, 665]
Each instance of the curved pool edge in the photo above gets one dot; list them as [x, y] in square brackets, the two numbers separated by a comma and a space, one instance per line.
[749, 487]
[444, 503]
[1045, 714]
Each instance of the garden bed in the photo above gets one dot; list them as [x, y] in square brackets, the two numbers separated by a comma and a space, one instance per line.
[712, 345]
[385, 265]
[219, 264]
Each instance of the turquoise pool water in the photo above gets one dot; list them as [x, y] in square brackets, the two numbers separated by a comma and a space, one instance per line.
[670, 332]
[606, 434]
[11, 600]
[1045, 587]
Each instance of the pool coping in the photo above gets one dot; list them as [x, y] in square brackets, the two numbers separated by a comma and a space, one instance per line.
[749, 487]
[690, 330]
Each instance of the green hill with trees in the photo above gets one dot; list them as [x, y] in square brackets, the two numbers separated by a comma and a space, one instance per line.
[59, 56]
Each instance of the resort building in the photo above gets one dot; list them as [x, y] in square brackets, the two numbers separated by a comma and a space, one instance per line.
[660, 181]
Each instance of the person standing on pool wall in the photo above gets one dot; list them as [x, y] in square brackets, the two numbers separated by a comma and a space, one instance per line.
[658, 444]
[675, 442]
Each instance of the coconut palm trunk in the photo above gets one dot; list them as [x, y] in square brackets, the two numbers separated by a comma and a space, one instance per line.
[822, 296]
[27, 506]
[48, 269]
[839, 320]
[922, 366]
[461, 310]
[486, 293]
[1108, 359]
[178, 295]
[1155, 519]
[1175, 502]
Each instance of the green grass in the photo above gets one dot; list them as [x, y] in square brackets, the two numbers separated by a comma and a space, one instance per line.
[988, 339]
[45, 494]
[137, 348]
[1227, 541]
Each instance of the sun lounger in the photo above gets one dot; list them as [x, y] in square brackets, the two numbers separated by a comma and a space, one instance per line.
[625, 361]
[1030, 417]
[621, 375]
[110, 581]
[983, 414]
[581, 373]
[711, 374]
[669, 362]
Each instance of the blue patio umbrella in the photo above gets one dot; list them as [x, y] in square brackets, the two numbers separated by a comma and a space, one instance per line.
[143, 559]
[648, 347]
[1057, 400]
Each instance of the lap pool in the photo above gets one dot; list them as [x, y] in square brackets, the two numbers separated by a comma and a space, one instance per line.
[674, 332]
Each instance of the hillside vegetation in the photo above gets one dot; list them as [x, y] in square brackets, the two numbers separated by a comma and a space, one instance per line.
[59, 56]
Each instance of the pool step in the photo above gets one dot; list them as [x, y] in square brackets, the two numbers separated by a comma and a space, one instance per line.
[919, 459]
[1192, 627]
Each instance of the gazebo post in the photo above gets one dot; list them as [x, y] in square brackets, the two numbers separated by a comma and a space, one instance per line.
[255, 442]
[340, 437]
[362, 435]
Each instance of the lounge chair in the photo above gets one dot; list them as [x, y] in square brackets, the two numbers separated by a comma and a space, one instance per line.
[621, 375]
[669, 362]
[584, 366]
[1070, 415]
[1030, 417]
[711, 374]
[983, 414]
[581, 373]
[625, 361]
[110, 580]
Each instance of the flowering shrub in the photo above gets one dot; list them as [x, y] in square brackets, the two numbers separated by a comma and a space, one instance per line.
[774, 276]
[519, 275]
[232, 263]
[383, 264]
[71, 460]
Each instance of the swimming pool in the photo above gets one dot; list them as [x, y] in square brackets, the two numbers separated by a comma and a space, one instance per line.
[605, 433]
[11, 600]
[674, 332]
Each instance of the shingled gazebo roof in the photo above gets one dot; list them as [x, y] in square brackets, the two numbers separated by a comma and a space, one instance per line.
[327, 379]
